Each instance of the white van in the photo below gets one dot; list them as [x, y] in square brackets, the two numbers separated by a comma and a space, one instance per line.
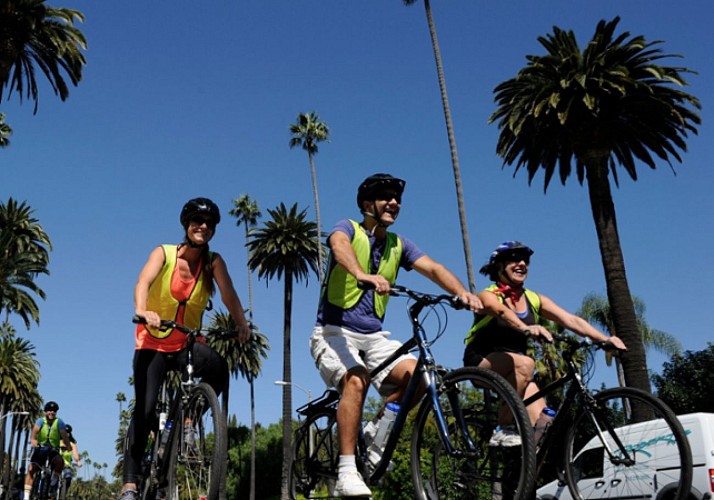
[648, 479]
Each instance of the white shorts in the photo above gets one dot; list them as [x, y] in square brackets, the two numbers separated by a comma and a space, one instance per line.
[337, 350]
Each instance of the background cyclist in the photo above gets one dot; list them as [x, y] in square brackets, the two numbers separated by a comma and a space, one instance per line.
[499, 336]
[47, 433]
[348, 340]
[176, 283]
[67, 455]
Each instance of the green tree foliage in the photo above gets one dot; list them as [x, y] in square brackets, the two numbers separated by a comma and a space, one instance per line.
[609, 104]
[5, 132]
[268, 459]
[686, 382]
[24, 254]
[35, 35]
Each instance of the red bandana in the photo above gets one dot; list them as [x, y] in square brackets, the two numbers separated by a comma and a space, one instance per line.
[512, 293]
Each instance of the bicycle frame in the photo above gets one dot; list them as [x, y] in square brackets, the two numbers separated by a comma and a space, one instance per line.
[576, 393]
[425, 372]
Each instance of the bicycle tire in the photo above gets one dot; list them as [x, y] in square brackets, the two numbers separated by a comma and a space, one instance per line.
[196, 465]
[476, 471]
[313, 468]
[148, 486]
[654, 469]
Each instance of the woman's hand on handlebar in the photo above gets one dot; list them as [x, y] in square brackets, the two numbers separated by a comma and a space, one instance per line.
[150, 318]
[538, 332]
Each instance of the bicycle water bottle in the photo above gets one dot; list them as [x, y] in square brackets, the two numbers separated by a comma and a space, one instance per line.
[384, 427]
[165, 438]
[162, 420]
[544, 420]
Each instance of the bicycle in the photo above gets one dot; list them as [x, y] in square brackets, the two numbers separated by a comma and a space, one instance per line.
[42, 484]
[450, 453]
[187, 450]
[612, 431]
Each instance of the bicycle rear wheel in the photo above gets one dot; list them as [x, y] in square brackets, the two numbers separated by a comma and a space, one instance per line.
[474, 402]
[198, 448]
[661, 458]
[313, 469]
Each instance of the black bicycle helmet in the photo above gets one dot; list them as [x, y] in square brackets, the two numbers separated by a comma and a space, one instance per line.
[200, 206]
[376, 183]
[51, 406]
[68, 428]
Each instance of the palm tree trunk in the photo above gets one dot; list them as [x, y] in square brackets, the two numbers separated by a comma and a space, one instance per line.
[454, 153]
[252, 439]
[287, 388]
[313, 172]
[634, 361]
[250, 275]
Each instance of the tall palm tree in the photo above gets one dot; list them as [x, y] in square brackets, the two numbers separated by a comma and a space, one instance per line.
[19, 376]
[33, 34]
[452, 144]
[307, 131]
[596, 309]
[607, 105]
[247, 213]
[5, 132]
[245, 360]
[286, 246]
[24, 254]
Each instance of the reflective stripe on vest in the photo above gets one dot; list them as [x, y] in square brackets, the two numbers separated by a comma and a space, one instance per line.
[480, 320]
[49, 433]
[161, 300]
[342, 290]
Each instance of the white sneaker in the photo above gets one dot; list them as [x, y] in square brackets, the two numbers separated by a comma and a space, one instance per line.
[505, 436]
[351, 484]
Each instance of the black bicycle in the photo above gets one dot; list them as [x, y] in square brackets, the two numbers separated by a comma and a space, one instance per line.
[42, 488]
[186, 455]
[451, 457]
[618, 443]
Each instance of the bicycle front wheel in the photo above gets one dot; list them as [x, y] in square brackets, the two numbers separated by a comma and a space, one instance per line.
[473, 403]
[198, 450]
[610, 454]
[313, 469]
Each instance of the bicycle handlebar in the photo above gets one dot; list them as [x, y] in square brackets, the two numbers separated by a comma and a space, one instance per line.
[585, 343]
[205, 332]
[424, 299]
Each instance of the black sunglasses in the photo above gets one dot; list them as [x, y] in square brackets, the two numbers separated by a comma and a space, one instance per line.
[201, 220]
[388, 195]
[517, 257]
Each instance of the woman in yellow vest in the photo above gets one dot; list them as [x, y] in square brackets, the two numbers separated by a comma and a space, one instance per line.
[67, 455]
[176, 283]
[498, 339]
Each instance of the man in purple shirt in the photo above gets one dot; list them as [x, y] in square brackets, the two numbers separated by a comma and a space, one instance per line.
[348, 340]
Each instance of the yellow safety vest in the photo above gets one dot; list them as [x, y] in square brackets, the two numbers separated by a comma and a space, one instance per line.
[481, 320]
[342, 290]
[161, 300]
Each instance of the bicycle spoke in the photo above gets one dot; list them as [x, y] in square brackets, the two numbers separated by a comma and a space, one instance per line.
[315, 457]
[474, 404]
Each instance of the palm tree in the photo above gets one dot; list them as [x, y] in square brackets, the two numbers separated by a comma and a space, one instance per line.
[24, 254]
[307, 132]
[5, 132]
[247, 213]
[244, 359]
[452, 144]
[596, 309]
[19, 376]
[34, 34]
[609, 104]
[286, 246]
[120, 398]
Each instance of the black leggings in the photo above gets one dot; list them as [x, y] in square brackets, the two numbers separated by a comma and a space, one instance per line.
[150, 368]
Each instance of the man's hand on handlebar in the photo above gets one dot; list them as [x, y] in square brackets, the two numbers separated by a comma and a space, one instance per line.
[470, 301]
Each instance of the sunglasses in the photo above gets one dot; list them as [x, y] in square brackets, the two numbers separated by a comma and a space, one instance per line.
[388, 195]
[517, 257]
[203, 220]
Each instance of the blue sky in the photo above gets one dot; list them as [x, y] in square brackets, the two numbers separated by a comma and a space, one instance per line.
[180, 100]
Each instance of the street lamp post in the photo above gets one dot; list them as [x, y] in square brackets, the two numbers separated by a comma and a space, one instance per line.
[14, 413]
[311, 439]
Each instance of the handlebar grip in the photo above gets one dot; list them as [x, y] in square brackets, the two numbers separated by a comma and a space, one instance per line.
[138, 320]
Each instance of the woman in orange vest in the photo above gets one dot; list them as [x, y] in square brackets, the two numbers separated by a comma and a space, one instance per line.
[176, 283]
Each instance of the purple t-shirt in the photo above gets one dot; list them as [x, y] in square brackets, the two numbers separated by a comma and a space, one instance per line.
[361, 318]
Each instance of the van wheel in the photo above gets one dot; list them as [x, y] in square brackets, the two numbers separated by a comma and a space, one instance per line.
[668, 492]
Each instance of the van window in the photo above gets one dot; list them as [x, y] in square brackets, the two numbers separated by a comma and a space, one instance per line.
[589, 464]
